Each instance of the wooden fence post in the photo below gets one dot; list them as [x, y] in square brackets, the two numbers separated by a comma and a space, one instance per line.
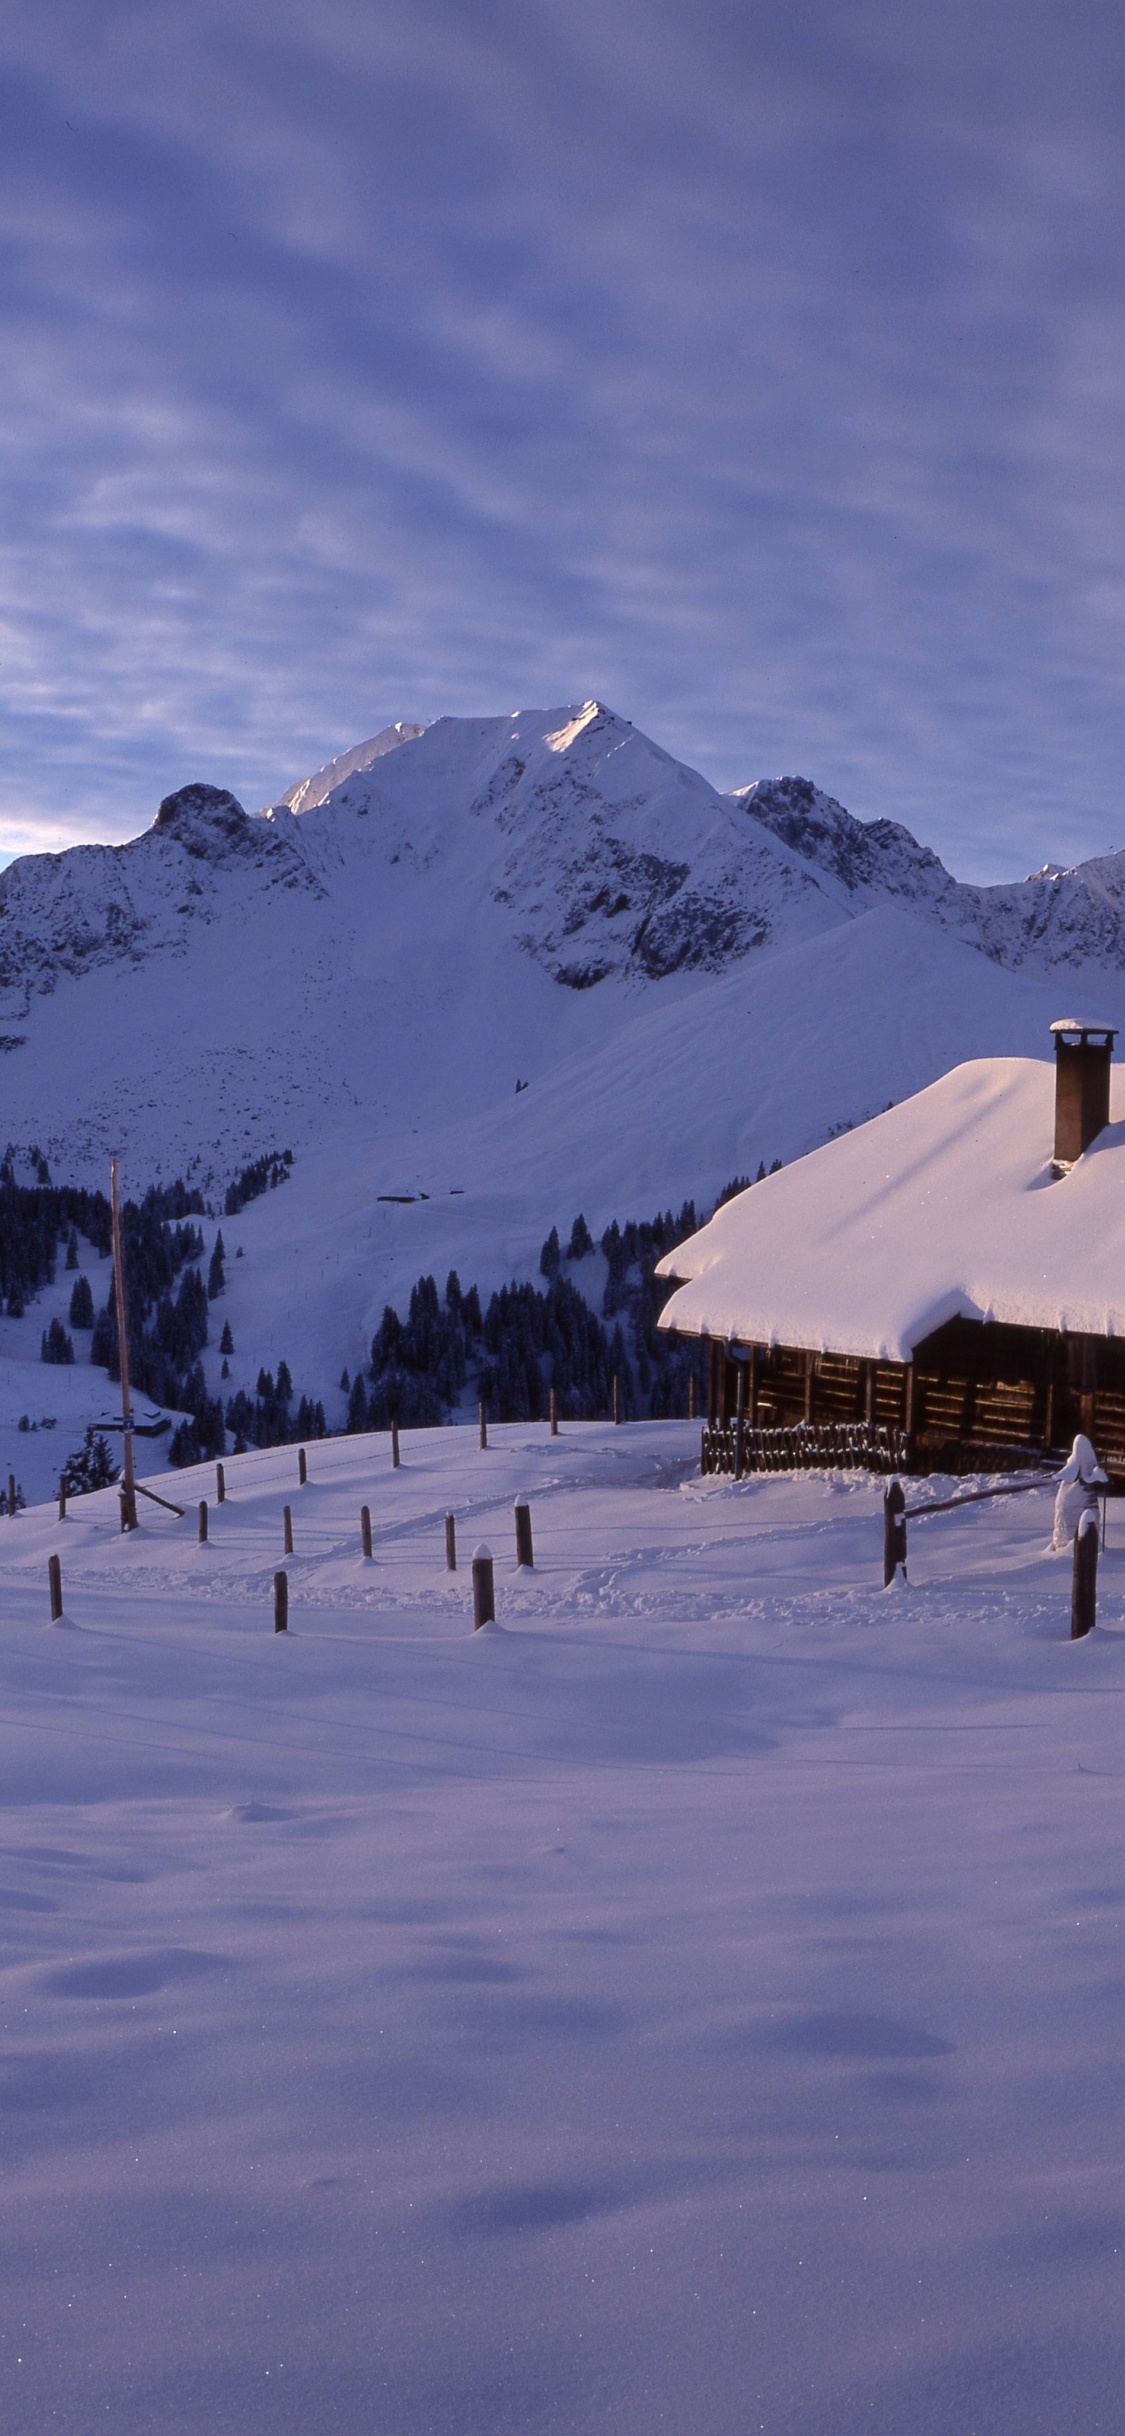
[365, 1529]
[202, 1520]
[62, 1500]
[483, 1419]
[524, 1551]
[11, 1492]
[394, 1446]
[894, 1533]
[220, 1485]
[554, 1413]
[616, 1401]
[54, 1579]
[691, 1395]
[740, 1421]
[302, 1468]
[281, 1602]
[451, 1543]
[484, 1590]
[287, 1518]
[1084, 1588]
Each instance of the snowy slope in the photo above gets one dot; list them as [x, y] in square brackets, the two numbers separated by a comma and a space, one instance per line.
[626, 1131]
[692, 2004]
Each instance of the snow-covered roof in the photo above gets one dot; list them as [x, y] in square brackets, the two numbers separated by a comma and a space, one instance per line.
[945, 1205]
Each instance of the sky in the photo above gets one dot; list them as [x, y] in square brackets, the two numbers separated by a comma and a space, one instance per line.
[756, 368]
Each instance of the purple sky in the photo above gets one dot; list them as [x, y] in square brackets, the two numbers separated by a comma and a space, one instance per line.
[757, 368]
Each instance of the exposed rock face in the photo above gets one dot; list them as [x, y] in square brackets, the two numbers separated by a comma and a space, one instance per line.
[201, 816]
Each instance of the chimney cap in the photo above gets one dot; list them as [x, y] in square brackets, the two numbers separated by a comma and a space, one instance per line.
[1083, 1025]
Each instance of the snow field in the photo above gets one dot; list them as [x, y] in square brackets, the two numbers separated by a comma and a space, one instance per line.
[694, 2002]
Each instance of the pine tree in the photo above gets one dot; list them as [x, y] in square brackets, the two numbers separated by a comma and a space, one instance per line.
[225, 1371]
[345, 1381]
[92, 1467]
[550, 1255]
[226, 1341]
[357, 1408]
[103, 1343]
[183, 1449]
[81, 1304]
[72, 1250]
[216, 1278]
[284, 1383]
[55, 1344]
[581, 1240]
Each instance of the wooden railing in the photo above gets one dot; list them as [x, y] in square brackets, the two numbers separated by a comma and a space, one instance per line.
[852, 1446]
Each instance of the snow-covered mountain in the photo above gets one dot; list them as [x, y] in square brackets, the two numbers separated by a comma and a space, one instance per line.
[1053, 918]
[480, 975]
[574, 837]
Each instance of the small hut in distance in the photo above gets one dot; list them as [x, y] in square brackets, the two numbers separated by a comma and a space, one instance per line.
[944, 1286]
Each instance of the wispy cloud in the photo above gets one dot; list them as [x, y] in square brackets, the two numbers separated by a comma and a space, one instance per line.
[757, 368]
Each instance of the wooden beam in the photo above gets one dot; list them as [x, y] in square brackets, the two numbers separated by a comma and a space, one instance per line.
[128, 1486]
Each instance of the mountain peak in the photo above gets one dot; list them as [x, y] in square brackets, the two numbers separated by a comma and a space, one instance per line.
[309, 792]
[863, 854]
[190, 805]
[590, 715]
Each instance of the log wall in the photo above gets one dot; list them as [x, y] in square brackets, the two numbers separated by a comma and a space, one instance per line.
[975, 1394]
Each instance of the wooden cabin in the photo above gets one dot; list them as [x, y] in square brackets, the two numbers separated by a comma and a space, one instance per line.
[940, 1289]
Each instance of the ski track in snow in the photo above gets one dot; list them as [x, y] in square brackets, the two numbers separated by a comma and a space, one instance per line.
[694, 2002]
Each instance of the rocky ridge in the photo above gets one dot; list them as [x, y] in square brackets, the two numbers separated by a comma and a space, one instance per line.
[1052, 919]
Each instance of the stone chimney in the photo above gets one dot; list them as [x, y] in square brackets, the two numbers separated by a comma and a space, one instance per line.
[1083, 1052]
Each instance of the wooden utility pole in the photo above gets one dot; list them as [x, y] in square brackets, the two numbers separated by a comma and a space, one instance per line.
[128, 1484]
